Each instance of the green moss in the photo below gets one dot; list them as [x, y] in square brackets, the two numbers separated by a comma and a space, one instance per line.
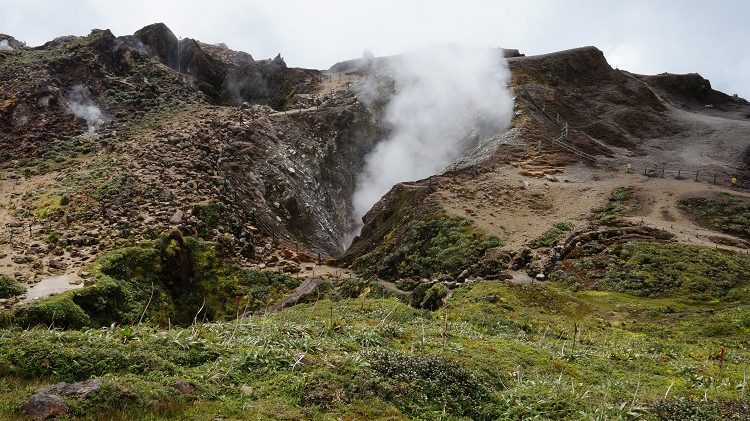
[428, 248]
[9, 287]
[660, 270]
[60, 311]
[164, 282]
[494, 351]
[723, 212]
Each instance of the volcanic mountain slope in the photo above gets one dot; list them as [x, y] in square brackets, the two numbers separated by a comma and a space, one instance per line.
[171, 146]
[174, 186]
[163, 147]
[508, 186]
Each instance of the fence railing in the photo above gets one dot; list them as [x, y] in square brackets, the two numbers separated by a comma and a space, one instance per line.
[706, 175]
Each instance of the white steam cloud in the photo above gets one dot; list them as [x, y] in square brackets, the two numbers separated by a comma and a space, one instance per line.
[80, 104]
[5, 46]
[445, 100]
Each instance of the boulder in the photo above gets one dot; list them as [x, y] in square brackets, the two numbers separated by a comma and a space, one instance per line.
[177, 217]
[183, 387]
[43, 406]
[80, 390]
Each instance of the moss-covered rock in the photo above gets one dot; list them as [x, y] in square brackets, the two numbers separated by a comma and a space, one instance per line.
[428, 248]
[170, 281]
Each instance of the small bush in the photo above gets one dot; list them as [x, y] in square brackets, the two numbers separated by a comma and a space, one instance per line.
[9, 287]
[416, 383]
[429, 297]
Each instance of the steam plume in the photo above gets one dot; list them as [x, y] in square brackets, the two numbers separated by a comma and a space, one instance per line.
[80, 104]
[445, 100]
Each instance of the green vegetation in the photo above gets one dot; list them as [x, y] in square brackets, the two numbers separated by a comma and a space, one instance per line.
[723, 212]
[61, 153]
[552, 236]
[9, 287]
[46, 204]
[171, 281]
[621, 201]
[428, 248]
[658, 270]
[494, 351]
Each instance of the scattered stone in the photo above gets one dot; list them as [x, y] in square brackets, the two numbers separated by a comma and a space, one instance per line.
[177, 217]
[20, 260]
[65, 199]
[246, 390]
[56, 264]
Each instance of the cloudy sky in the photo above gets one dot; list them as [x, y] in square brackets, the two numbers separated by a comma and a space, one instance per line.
[643, 36]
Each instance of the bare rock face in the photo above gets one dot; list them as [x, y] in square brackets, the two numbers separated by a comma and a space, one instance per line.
[43, 406]
[161, 42]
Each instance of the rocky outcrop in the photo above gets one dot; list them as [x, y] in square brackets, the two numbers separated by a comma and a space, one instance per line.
[159, 42]
[691, 91]
[8, 43]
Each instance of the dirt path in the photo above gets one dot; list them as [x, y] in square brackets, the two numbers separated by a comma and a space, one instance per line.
[307, 287]
[294, 111]
[18, 232]
[390, 286]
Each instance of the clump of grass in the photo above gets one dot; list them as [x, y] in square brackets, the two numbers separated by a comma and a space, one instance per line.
[622, 200]
[443, 384]
[723, 212]
[552, 236]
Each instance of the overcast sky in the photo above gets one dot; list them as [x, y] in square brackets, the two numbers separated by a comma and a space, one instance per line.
[643, 36]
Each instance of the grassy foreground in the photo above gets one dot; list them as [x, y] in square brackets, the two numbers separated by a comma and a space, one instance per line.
[494, 351]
